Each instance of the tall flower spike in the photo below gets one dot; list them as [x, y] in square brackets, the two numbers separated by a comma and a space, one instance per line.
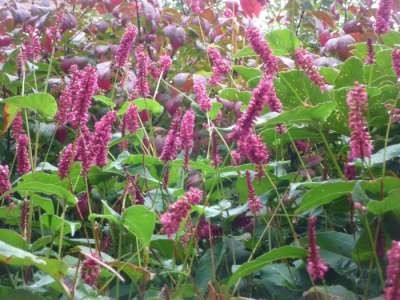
[81, 104]
[392, 290]
[101, 137]
[31, 47]
[5, 184]
[245, 123]
[172, 142]
[90, 270]
[316, 267]
[125, 46]
[360, 139]
[142, 88]
[130, 120]
[83, 151]
[67, 157]
[396, 62]
[23, 163]
[370, 59]
[17, 126]
[254, 203]
[261, 47]
[220, 66]
[304, 60]
[179, 210]
[200, 91]
[187, 128]
[382, 23]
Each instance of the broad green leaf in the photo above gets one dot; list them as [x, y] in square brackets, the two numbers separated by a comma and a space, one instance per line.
[295, 89]
[329, 74]
[336, 242]
[142, 104]
[247, 72]
[324, 193]
[350, 72]
[383, 155]
[215, 109]
[56, 224]
[140, 221]
[244, 52]
[283, 42]
[37, 186]
[42, 103]
[303, 115]
[235, 95]
[285, 252]
[389, 203]
[44, 203]
[108, 214]
[14, 256]
[105, 100]
[12, 238]
[391, 38]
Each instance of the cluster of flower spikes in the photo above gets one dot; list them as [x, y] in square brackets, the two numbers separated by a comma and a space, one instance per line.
[370, 58]
[382, 23]
[206, 230]
[90, 270]
[90, 149]
[316, 267]
[22, 145]
[186, 134]
[392, 290]
[396, 61]
[220, 66]
[76, 98]
[304, 60]
[179, 210]
[129, 124]
[254, 203]
[360, 139]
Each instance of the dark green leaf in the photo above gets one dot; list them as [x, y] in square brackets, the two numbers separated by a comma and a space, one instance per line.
[140, 221]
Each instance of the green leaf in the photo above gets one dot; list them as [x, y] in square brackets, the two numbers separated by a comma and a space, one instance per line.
[13, 239]
[44, 203]
[235, 95]
[247, 72]
[14, 256]
[42, 103]
[303, 115]
[383, 155]
[108, 214]
[142, 104]
[294, 88]
[244, 52]
[286, 252]
[324, 193]
[391, 38]
[215, 109]
[105, 100]
[387, 204]
[140, 221]
[350, 72]
[37, 186]
[56, 223]
[283, 42]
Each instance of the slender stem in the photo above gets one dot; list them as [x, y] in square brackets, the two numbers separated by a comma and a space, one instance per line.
[338, 169]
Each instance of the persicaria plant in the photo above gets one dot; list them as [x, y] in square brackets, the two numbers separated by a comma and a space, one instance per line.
[200, 149]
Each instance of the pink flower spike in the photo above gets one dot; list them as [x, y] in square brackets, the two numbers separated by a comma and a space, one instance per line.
[142, 71]
[187, 129]
[316, 267]
[23, 162]
[254, 203]
[125, 46]
[392, 290]
[67, 158]
[305, 62]
[220, 66]
[200, 91]
[396, 62]
[382, 24]
[101, 137]
[360, 139]
[17, 127]
[261, 47]
[130, 120]
[5, 184]
[172, 142]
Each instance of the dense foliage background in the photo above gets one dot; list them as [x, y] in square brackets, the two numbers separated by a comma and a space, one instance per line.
[199, 149]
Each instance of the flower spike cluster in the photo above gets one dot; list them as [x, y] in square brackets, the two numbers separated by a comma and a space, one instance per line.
[254, 203]
[392, 290]
[5, 184]
[396, 61]
[220, 66]
[382, 24]
[200, 91]
[23, 162]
